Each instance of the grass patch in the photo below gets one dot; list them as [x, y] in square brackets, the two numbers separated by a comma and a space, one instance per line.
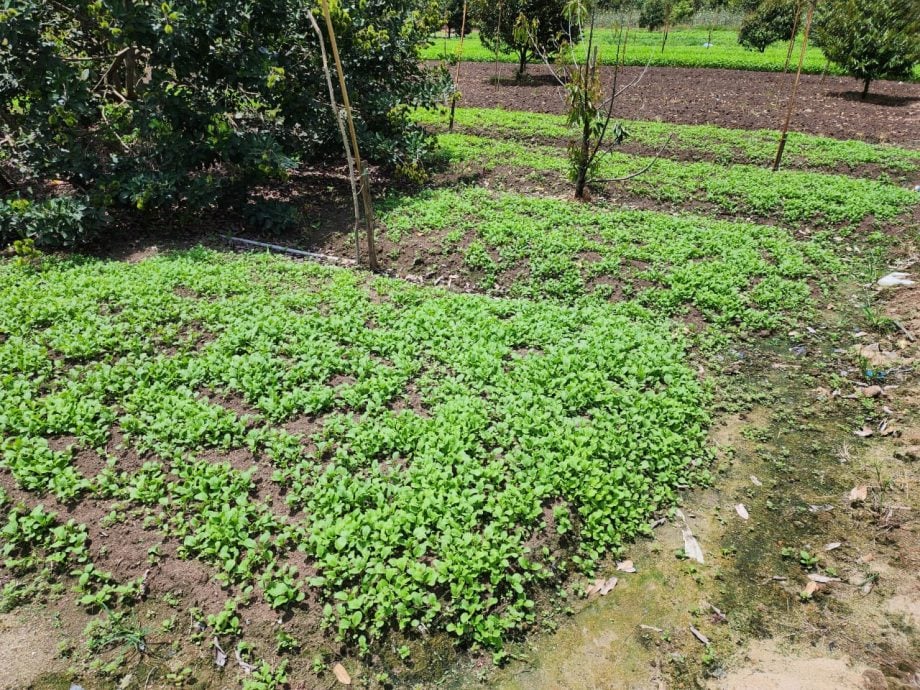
[754, 147]
[792, 196]
[685, 48]
[741, 274]
[465, 449]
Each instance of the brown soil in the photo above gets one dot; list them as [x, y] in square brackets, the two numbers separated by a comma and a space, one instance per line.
[728, 98]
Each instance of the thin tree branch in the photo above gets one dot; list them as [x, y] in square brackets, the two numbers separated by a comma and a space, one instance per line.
[645, 169]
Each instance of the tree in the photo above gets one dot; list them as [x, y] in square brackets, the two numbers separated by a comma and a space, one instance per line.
[589, 109]
[657, 14]
[523, 27]
[768, 22]
[147, 105]
[454, 12]
[870, 39]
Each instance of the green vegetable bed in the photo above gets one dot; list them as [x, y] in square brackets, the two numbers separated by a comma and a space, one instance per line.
[445, 454]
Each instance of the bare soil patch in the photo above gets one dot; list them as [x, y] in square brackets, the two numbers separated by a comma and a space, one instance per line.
[829, 106]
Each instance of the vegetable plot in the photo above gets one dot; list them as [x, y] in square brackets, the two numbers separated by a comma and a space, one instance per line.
[440, 456]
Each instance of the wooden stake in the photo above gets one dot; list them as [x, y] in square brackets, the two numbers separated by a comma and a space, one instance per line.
[795, 28]
[352, 171]
[795, 88]
[365, 190]
[455, 96]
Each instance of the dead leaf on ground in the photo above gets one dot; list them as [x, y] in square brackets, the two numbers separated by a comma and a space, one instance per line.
[810, 588]
[755, 481]
[698, 635]
[865, 432]
[608, 586]
[742, 511]
[626, 567]
[871, 391]
[244, 665]
[692, 547]
[220, 656]
[833, 545]
[858, 494]
[341, 674]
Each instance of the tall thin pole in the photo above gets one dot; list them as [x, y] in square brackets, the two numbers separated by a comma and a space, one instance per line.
[795, 88]
[352, 172]
[455, 96]
[362, 168]
[795, 28]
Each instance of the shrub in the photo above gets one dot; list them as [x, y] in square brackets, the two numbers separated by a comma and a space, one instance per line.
[161, 105]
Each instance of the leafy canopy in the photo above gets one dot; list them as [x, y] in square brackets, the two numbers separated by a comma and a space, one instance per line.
[870, 39]
[523, 27]
[150, 104]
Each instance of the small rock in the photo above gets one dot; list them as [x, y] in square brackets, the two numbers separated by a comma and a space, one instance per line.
[873, 679]
[895, 279]
[872, 391]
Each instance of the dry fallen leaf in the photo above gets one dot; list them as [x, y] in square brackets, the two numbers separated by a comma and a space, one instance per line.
[607, 586]
[742, 511]
[865, 432]
[220, 656]
[698, 635]
[755, 481]
[626, 567]
[810, 588]
[858, 494]
[872, 391]
[833, 545]
[591, 589]
[341, 674]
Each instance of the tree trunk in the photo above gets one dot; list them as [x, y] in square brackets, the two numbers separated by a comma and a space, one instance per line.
[522, 64]
[865, 91]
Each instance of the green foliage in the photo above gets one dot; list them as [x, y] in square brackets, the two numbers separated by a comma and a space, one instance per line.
[771, 21]
[708, 142]
[739, 274]
[791, 196]
[414, 511]
[148, 105]
[656, 14]
[869, 39]
[525, 28]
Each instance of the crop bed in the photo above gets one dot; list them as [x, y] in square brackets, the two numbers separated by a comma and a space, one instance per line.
[433, 457]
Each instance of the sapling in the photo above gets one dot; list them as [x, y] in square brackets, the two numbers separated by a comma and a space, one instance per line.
[589, 112]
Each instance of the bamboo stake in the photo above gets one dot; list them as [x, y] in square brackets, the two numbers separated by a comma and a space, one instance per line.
[352, 175]
[795, 28]
[795, 88]
[454, 97]
[365, 191]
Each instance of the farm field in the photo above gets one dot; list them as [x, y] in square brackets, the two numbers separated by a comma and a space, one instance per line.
[685, 47]
[226, 468]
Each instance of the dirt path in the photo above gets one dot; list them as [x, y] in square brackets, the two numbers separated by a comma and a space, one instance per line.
[728, 98]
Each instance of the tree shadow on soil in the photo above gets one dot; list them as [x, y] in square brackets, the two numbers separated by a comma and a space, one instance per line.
[882, 99]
